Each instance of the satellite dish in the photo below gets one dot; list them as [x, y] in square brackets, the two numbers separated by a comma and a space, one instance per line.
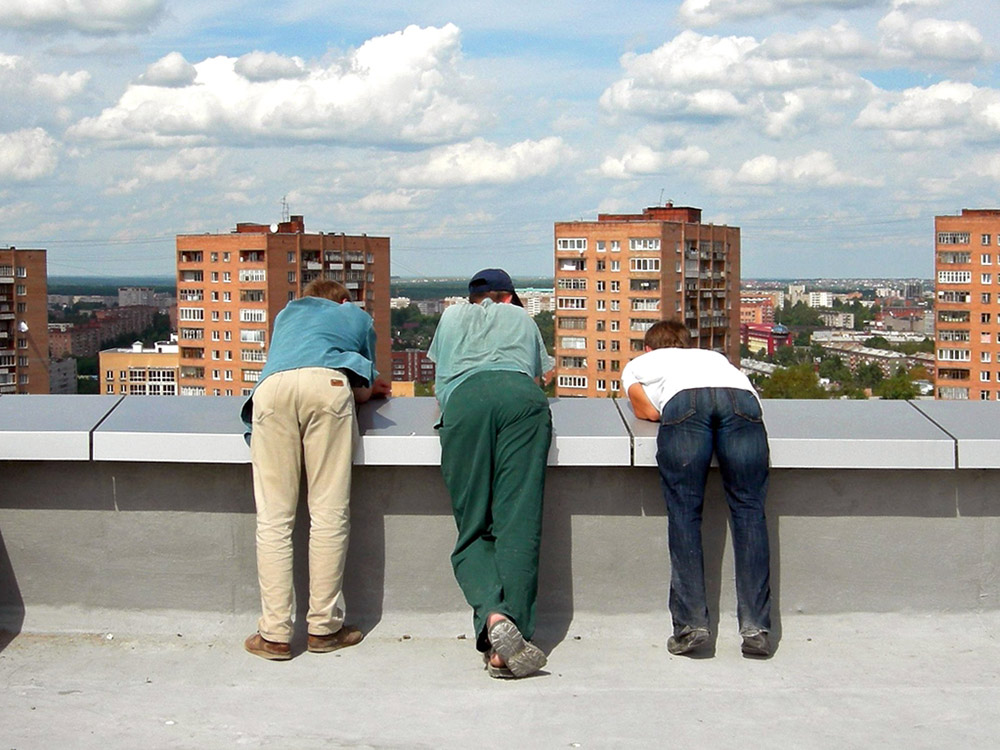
[274, 227]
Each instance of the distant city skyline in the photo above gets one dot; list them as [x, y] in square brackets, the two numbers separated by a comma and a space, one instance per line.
[832, 132]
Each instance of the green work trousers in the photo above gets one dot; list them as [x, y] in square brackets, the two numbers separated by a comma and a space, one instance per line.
[495, 435]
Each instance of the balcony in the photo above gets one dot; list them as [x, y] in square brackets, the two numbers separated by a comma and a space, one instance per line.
[127, 565]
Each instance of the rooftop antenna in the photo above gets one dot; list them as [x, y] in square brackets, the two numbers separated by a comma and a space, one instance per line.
[661, 197]
[284, 208]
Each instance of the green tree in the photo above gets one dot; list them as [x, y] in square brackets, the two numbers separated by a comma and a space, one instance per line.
[799, 314]
[868, 375]
[785, 356]
[899, 386]
[546, 323]
[798, 381]
[834, 369]
[878, 342]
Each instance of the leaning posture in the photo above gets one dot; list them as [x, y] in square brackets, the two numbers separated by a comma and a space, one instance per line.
[321, 361]
[706, 405]
[495, 431]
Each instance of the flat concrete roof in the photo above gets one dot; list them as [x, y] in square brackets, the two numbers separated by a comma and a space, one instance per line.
[887, 680]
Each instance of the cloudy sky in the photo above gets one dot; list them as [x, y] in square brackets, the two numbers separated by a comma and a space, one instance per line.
[830, 131]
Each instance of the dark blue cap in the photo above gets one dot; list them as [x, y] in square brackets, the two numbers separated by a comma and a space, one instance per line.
[494, 280]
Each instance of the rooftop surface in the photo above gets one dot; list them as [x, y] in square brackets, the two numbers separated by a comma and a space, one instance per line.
[859, 680]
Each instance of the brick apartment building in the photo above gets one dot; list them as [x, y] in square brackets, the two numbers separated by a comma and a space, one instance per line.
[137, 371]
[967, 291]
[617, 276]
[230, 288]
[24, 333]
[412, 365]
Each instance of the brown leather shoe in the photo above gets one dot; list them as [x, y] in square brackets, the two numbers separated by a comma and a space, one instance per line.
[257, 645]
[346, 636]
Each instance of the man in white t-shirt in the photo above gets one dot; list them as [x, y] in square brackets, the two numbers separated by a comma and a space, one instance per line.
[706, 405]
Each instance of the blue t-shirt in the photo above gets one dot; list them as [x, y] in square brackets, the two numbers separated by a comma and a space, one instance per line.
[482, 337]
[317, 332]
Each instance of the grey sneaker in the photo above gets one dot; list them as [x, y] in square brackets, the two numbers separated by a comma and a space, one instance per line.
[521, 657]
[756, 644]
[688, 640]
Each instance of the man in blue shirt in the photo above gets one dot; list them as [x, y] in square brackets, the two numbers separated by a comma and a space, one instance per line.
[321, 361]
[495, 431]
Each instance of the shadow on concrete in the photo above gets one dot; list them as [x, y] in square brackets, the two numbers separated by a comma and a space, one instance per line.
[11, 603]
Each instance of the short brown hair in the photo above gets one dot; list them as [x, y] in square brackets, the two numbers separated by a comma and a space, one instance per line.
[327, 289]
[666, 334]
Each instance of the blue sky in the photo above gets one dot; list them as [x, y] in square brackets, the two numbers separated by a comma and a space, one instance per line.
[830, 131]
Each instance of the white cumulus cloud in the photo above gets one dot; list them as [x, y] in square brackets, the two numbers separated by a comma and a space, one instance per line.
[906, 37]
[481, 162]
[171, 70]
[399, 89]
[643, 159]
[19, 78]
[712, 77]
[87, 16]
[711, 12]
[27, 154]
[190, 165]
[933, 115]
[816, 168]
[269, 66]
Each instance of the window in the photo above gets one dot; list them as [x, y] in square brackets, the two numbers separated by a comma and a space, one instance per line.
[600, 325]
[984, 395]
[109, 375]
[616, 286]
[952, 258]
[616, 385]
[601, 286]
[573, 362]
[213, 257]
[984, 376]
[577, 323]
[227, 296]
[984, 239]
[21, 272]
[986, 259]
[953, 335]
[227, 315]
[291, 257]
[252, 355]
[602, 344]
[616, 365]
[602, 365]
[22, 290]
[227, 336]
[615, 326]
[985, 298]
[572, 342]
[110, 389]
[575, 264]
[615, 246]
[571, 243]
[251, 376]
[215, 335]
[226, 277]
[571, 303]
[644, 265]
[616, 305]
[985, 356]
[216, 354]
[601, 265]
[252, 336]
[252, 274]
[642, 243]
[225, 257]
[616, 346]
[601, 305]
[601, 246]
[602, 385]
[192, 333]
[572, 381]
[953, 238]
[641, 324]
[954, 355]
[984, 317]
[228, 375]
[617, 266]
[985, 278]
[252, 316]
[954, 277]
[291, 277]
[215, 315]
[645, 304]
[574, 284]
[215, 276]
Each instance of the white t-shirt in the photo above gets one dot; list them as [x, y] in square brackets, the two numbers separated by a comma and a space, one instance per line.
[664, 373]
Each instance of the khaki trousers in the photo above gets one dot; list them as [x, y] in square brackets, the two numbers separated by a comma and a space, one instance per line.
[302, 418]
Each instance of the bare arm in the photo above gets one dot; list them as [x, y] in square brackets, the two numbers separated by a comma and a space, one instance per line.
[379, 389]
[641, 404]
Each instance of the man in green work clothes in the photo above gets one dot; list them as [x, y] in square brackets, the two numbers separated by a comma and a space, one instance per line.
[495, 431]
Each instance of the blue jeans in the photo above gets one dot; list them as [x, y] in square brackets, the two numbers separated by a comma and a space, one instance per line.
[693, 425]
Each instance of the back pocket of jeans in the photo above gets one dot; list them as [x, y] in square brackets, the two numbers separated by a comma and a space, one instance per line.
[678, 408]
[745, 405]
